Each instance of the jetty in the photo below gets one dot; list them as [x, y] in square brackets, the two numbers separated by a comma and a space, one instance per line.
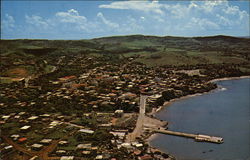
[196, 137]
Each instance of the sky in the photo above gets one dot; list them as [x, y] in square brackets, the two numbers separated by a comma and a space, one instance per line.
[36, 19]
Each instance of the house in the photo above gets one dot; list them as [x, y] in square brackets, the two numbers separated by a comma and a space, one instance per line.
[46, 141]
[137, 152]
[139, 145]
[118, 134]
[32, 118]
[2, 122]
[36, 146]
[103, 156]
[84, 146]
[86, 152]
[67, 78]
[105, 125]
[25, 128]
[61, 152]
[136, 144]
[146, 157]
[22, 140]
[15, 136]
[5, 117]
[62, 143]
[88, 131]
[119, 113]
[126, 145]
[67, 158]
[21, 113]
[94, 148]
[7, 149]
[54, 123]
[45, 115]
[99, 157]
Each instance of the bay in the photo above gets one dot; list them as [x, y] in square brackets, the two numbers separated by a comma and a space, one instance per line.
[222, 112]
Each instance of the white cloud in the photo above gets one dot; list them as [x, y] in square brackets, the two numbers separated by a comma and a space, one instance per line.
[209, 6]
[71, 19]
[202, 24]
[107, 22]
[146, 6]
[71, 16]
[177, 10]
[131, 26]
[37, 21]
[223, 20]
[231, 10]
[195, 16]
[8, 22]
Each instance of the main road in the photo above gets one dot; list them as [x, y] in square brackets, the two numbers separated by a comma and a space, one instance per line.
[140, 121]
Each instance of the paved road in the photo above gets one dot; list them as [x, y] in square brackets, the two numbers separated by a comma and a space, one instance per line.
[139, 124]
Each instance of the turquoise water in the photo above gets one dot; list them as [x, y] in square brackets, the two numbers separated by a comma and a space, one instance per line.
[224, 113]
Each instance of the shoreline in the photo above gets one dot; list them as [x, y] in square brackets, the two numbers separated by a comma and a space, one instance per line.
[228, 78]
[168, 103]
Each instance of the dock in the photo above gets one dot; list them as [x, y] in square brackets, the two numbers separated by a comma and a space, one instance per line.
[196, 137]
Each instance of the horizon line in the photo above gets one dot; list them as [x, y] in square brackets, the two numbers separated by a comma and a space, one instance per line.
[247, 36]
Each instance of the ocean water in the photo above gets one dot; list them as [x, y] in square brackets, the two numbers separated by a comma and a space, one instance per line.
[222, 112]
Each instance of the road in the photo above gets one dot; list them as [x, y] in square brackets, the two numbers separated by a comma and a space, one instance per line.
[18, 147]
[140, 121]
[42, 154]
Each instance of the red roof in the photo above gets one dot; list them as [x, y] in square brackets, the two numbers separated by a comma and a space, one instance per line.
[22, 139]
[67, 78]
[146, 157]
[78, 85]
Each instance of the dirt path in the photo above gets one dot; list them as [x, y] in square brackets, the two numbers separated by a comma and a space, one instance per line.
[45, 151]
[42, 154]
[19, 148]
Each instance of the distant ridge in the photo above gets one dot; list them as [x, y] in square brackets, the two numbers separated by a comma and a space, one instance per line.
[136, 36]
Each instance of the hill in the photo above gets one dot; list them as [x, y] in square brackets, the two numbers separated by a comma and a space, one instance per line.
[36, 56]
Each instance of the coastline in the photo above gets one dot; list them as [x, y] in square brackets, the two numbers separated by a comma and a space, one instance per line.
[228, 78]
[168, 103]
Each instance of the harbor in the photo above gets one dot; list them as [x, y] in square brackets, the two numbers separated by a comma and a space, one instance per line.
[196, 137]
[202, 114]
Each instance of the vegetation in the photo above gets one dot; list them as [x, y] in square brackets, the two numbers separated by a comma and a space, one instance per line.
[148, 49]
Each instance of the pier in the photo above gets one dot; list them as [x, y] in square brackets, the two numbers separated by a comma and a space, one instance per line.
[196, 137]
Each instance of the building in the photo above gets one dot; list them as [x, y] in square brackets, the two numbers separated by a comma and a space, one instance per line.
[32, 118]
[88, 131]
[86, 146]
[121, 135]
[22, 140]
[62, 143]
[119, 113]
[15, 136]
[25, 128]
[67, 158]
[46, 141]
[61, 152]
[37, 147]
[86, 152]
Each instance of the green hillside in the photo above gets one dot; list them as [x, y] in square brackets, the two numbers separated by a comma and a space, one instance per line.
[36, 56]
